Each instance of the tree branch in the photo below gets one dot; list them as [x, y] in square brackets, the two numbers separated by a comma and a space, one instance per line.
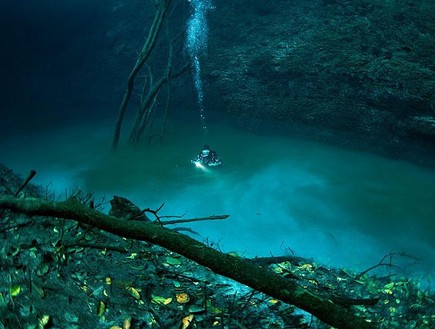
[162, 7]
[239, 269]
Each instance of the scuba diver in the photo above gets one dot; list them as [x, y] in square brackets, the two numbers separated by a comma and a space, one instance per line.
[207, 157]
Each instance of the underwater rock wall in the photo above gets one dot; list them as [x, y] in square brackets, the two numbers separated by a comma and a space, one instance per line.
[354, 73]
[366, 68]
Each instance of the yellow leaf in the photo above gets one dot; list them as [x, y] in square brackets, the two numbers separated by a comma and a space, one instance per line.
[101, 308]
[15, 290]
[307, 267]
[127, 323]
[161, 300]
[43, 321]
[389, 286]
[182, 298]
[133, 292]
[388, 291]
[86, 289]
[186, 321]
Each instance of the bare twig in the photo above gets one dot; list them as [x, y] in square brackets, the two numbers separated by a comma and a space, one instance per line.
[97, 246]
[278, 259]
[32, 174]
[178, 221]
[149, 210]
[388, 263]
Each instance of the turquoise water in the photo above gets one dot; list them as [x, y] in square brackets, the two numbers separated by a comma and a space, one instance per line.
[341, 207]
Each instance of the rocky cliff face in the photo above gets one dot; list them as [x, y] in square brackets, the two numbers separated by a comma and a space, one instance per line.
[366, 68]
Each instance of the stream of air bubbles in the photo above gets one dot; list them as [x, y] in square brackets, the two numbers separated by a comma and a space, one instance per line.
[196, 40]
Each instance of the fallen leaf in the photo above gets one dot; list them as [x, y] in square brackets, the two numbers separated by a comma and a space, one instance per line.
[133, 255]
[173, 261]
[15, 290]
[182, 298]
[307, 267]
[389, 285]
[127, 323]
[43, 321]
[186, 321]
[196, 309]
[101, 308]
[161, 300]
[133, 292]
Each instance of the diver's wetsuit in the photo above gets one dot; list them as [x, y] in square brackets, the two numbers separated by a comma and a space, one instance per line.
[210, 160]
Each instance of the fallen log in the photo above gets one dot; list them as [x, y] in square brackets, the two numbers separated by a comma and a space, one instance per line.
[236, 268]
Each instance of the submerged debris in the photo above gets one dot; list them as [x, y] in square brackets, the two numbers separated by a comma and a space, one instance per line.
[59, 274]
[124, 208]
